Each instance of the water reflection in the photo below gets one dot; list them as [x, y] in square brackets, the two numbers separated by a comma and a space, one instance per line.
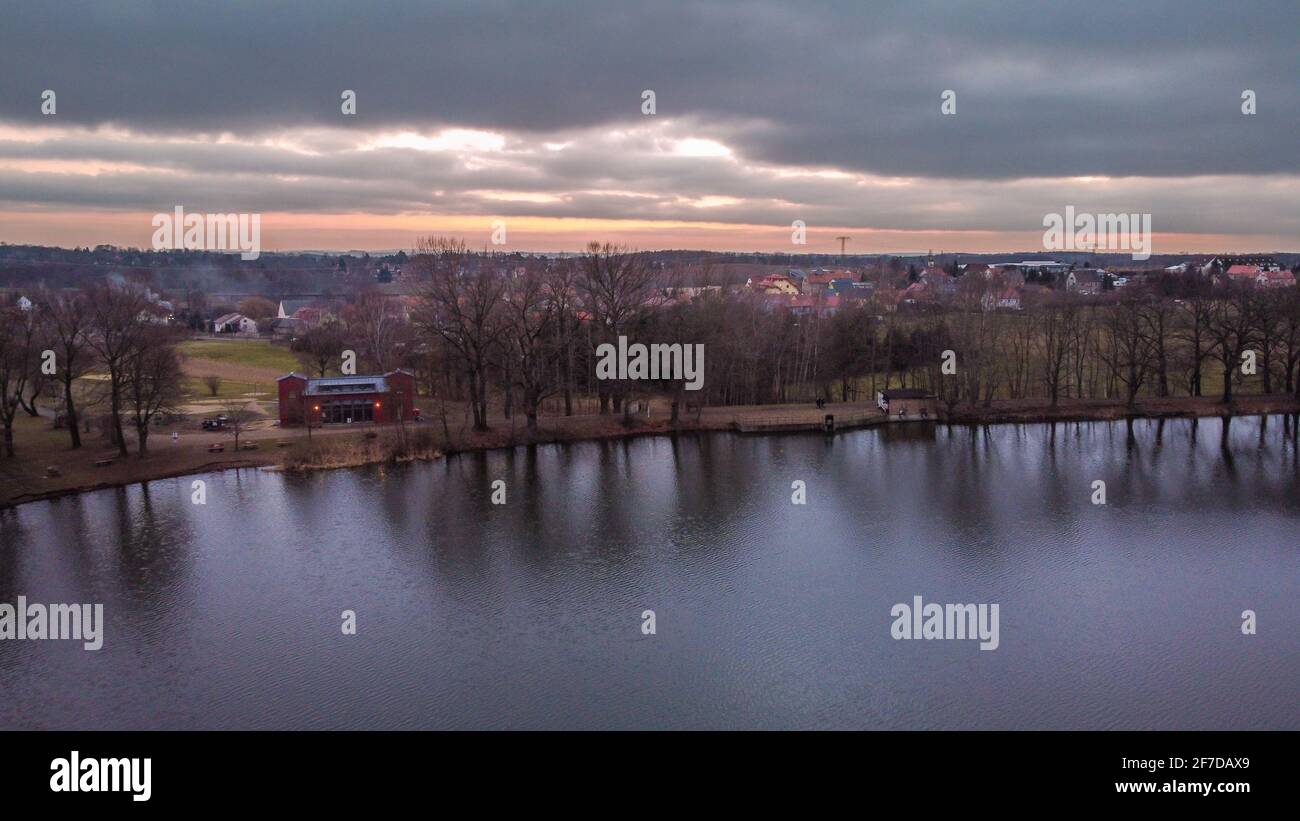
[770, 614]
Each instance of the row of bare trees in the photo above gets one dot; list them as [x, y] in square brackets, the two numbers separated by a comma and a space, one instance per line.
[1126, 344]
[530, 332]
[480, 333]
[103, 330]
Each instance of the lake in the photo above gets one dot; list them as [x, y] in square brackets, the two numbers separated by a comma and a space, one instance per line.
[767, 614]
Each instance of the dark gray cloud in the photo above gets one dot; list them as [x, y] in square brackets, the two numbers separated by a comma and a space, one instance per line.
[1043, 90]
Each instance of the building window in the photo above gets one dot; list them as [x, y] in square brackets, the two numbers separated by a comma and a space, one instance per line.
[347, 410]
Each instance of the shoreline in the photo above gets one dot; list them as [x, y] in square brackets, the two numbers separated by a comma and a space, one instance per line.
[710, 420]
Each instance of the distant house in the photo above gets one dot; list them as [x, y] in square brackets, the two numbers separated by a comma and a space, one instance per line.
[1033, 266]
[1009, 276]
[1226, 263]
[858, 292]
[917, 292]
[289, 307]
[841, 285]
[234, 324]
[774, 284]
[1007, 299]
[887, 298]
[24, 304]
[154, 314]
[906, 403]
[310, 317]
[1086, 281]
[939, 282]
[818, 281]
[288, 328]
[1239, 273]
[1275, 279]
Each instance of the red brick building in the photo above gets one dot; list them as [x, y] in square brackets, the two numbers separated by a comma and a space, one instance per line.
[346, 399]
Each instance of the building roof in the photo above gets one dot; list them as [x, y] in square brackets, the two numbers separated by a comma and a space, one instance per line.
[328, 385]
[1243, 270]
[346, 384]
[288, 306]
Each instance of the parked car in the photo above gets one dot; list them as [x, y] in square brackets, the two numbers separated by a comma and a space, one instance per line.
[215, 423]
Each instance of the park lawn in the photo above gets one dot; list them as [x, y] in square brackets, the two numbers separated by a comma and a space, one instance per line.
[250, 353]
[195, 390]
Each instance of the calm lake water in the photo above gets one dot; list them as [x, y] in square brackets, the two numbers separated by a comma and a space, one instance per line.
[768, 614]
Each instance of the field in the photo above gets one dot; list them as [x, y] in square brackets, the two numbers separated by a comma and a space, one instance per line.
[245, 353]
[247, 369]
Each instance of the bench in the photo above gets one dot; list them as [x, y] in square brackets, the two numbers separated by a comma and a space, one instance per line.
[103, 463]
[216, 448]
[248, 446]
[53, 472]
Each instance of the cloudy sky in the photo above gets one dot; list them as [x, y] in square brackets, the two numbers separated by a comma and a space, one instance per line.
[765, 113]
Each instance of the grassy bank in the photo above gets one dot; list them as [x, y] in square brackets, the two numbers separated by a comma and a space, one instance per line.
[389, 446]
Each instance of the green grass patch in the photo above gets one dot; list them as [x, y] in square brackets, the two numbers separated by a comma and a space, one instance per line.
[196, 390]
[252, 353]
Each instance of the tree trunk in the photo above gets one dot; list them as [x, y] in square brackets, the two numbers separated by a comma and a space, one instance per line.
[116, 408]
[70, 413]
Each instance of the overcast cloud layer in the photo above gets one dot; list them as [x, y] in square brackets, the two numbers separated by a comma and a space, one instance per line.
[766, 112]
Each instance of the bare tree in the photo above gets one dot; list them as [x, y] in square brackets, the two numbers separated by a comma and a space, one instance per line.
[1231, 327]
[18, 361]
[1290, 307]
[375, 326]
[1056, 318]
[1127, 348]
[562, 292]
[617, 285]
[238, 418]
[463, 309]
[153, 382]
[530, 340]
[1193, 330]
[1268, 310]
[1156, 317]
[320, 348]
[68, 319]
[116, 312]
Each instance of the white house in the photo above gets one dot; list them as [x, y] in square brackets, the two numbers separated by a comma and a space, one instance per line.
[24, 304]
[234, 324]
